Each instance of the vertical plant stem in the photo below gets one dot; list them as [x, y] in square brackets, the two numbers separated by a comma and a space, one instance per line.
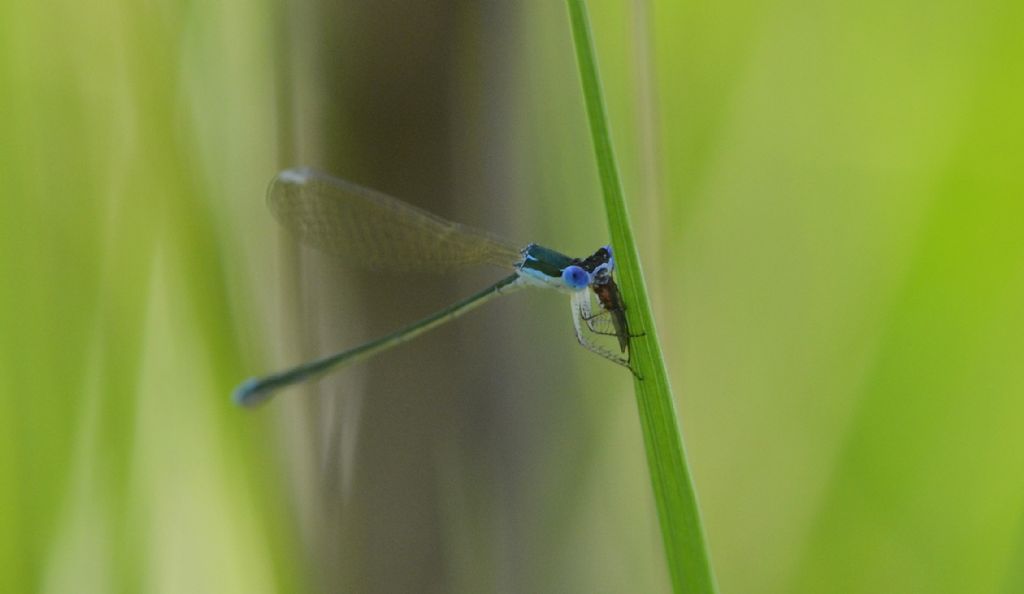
[678, 513]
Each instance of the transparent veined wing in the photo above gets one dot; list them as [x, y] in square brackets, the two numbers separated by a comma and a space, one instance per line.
[376, 231]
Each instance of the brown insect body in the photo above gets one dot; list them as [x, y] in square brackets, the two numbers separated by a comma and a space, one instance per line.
[611, 300]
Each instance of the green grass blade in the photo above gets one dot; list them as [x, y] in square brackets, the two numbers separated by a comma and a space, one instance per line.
[682, 531]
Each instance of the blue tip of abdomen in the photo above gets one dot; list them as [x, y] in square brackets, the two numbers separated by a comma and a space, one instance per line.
[248, 393]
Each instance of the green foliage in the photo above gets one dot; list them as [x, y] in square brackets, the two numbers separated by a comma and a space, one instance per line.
[681, 526]
[832, 248]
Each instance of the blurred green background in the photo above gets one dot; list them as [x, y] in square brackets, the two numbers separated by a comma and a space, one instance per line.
[829, 200]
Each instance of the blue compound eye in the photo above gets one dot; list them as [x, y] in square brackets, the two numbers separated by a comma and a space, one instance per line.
[575, 277]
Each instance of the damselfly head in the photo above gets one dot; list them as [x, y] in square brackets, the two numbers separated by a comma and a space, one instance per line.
[600, 265]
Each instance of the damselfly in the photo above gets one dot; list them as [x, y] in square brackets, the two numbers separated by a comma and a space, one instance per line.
[380, 232]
